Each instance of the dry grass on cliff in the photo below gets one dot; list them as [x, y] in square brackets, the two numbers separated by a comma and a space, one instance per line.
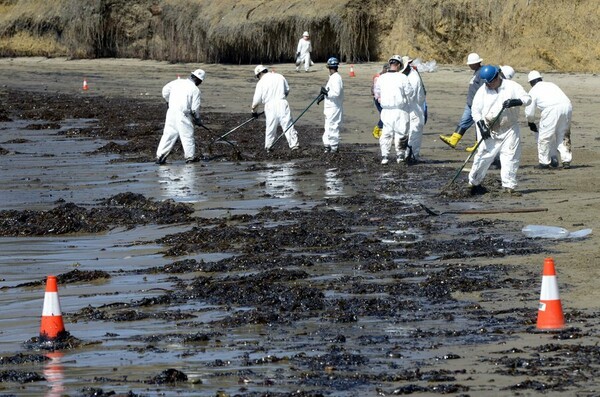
[542, 34]
[261, 31]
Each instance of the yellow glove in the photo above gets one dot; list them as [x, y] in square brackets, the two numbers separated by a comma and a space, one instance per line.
[376, 132]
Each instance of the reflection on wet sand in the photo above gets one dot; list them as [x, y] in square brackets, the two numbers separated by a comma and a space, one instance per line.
[333, 183]
[279, 179]
[54, 374]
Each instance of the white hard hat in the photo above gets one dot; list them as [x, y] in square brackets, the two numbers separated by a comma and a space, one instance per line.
[396, 57]
[507, 71]
[533, 75]
[473, 58]
[305, 34]
[259, 69]
[199, 73]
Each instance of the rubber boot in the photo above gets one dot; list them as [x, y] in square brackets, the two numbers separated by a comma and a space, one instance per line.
[471, 148]
[451, 140]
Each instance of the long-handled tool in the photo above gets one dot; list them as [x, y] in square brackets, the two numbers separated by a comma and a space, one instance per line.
[485, 211]
[294, 122]
[492, 124]
[222, 137]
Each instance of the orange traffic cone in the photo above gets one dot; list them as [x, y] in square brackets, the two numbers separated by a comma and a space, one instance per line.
[52, 321]
[85, 85]
[352, 74]
[550, 314]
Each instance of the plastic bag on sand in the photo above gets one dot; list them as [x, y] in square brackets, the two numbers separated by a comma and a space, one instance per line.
[429, 66]
[553, 232]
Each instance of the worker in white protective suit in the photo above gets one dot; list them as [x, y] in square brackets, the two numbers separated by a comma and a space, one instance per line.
[272, 90]
[393, 91]
[183, 100]
[303, 51]
[554, 131]
[333, 94]
[496, 116]
[416, 110]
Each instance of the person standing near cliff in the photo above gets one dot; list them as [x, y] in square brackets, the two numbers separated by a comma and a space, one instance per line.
[303, 51]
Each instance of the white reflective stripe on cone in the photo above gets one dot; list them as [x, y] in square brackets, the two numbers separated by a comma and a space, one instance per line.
[51, 304]
[549, 288]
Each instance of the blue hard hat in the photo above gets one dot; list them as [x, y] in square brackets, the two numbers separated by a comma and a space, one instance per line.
[333, 62]
[488, 73]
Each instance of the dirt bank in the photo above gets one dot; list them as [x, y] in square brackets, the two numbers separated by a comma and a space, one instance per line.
[544, 35]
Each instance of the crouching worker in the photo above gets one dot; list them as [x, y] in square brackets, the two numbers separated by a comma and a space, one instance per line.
[495, 113]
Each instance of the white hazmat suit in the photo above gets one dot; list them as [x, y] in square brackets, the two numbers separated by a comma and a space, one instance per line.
[555, 121]
[303, 51]
[505, 134]
[393, 91]
[183, 97]
[416, 112]
[333, 111]
[272, 90]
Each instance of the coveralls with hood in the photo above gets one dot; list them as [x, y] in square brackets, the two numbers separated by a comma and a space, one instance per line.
[183, 98]
[393, 91]
[416, 108]
[505, 137]
[555, 121]
[303, 51]
[333, 110]
[272, 90]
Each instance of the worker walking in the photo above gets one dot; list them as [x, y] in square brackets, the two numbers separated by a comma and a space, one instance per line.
[466, 120]
[303, 51]
[416, 109]
[272, 90]
[497, 100]
[554, 131]
[333, 93]
[393, 91]
[183, 101]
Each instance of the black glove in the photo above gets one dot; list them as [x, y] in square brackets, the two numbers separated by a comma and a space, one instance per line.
[324, 91]
[483, 129]
[532, 127]
[197, 121]
[320, 99]
[509, 103]
[254, 115]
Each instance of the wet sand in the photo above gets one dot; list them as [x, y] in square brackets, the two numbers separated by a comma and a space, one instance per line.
[225, 189]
